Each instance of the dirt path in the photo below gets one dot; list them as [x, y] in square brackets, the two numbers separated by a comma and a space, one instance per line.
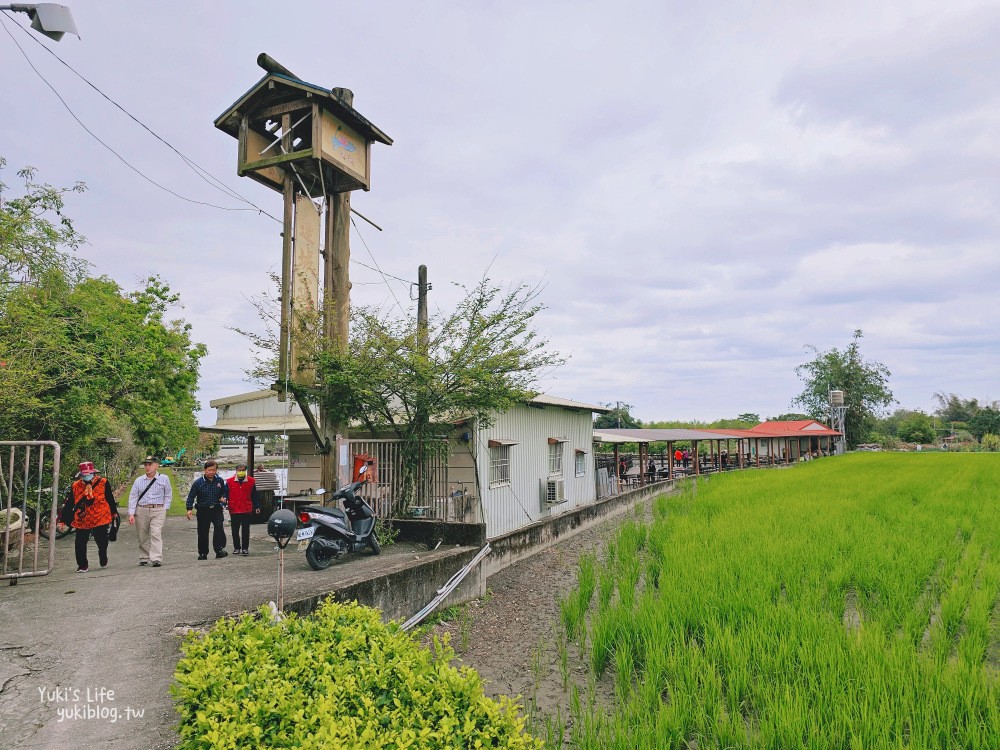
[510, 636]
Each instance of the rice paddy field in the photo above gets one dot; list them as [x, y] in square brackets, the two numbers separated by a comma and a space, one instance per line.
[843, 603]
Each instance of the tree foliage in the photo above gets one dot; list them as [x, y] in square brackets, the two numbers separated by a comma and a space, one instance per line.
[482, 358]
[618, 418]
[985, 422]
[917, 427]
[953, 408]
[81, 359]
[865, 385]
[35, 235]
[792, 416]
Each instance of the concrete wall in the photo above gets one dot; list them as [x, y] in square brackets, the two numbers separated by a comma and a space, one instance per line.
[526, 541]
[406, 585]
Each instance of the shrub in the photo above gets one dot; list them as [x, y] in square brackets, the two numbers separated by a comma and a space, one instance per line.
[337, 679]
[991, 443]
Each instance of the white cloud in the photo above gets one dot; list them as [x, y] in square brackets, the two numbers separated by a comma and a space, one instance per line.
[702, 190]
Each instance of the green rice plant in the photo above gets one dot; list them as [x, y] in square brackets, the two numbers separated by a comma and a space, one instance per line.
[562, 651]
[605, 587]
[573, 607]
[738, 638]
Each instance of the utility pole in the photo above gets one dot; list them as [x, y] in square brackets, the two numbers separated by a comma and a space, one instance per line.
[422, 343]
[287, 248]
[422, 308]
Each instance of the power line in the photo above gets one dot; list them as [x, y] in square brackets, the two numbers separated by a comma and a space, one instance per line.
[121, 158]
[202, 173]
[384, 275]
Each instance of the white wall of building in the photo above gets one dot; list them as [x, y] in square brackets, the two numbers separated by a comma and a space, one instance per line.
[517, 504]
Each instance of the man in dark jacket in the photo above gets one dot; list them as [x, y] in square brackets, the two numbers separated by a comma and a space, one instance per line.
[208, 495]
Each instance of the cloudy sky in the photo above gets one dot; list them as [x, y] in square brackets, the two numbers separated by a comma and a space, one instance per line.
[702, 188]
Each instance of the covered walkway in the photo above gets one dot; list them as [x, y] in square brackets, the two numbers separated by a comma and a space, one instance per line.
[767, 444]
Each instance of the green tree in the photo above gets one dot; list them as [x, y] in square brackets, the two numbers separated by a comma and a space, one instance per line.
[953, 408]
[618, 418]
[986, 421]
[865, 385]
[917, 428]
[794, 416]
[35, 235]
[481, 359]
[749, 418]
[80, 359]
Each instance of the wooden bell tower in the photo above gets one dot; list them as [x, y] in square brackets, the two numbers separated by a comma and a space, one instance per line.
[310, 144]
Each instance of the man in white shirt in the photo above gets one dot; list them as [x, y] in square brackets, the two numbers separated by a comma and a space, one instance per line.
[147, 510]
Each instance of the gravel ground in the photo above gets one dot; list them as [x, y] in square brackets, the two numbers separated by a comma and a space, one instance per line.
[511, 636]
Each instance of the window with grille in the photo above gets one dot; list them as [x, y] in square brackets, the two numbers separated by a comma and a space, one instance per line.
[499, 465]
[581, 463]
[555, 458]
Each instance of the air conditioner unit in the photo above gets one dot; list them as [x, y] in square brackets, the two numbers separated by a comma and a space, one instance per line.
[553, 492]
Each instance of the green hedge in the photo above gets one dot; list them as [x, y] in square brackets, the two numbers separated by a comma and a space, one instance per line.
[339, 678]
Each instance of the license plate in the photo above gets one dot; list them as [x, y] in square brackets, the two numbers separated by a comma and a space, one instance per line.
[305, 533]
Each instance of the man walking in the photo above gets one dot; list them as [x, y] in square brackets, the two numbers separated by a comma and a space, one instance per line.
[242, 505]
[208, 496]
[148, 503]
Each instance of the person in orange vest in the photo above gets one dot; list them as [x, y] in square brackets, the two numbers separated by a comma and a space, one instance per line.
[89, 508]
[243, 503]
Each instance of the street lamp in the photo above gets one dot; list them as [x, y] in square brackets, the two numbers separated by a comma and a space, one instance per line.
[47, 18]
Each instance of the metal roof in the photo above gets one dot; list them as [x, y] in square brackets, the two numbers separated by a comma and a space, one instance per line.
[229, 121]
[547, 400]
[794, 428]
[670, 436]
[295, 423]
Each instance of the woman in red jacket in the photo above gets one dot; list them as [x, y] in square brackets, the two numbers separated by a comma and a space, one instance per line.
[89, 508]
[242, 504]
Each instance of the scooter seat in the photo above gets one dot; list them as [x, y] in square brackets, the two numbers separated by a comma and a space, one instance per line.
[328, 511]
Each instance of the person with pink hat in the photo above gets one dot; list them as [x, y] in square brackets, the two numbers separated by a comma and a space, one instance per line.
[89, 508]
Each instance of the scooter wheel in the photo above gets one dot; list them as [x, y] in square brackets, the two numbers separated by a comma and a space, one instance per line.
[317, 558]
[373, 543]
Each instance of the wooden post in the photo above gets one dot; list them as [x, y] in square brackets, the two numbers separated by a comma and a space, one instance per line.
[614, 470]
[670, 459]
[697, 467]
[286, 262]
[250, 454]
[336, 315]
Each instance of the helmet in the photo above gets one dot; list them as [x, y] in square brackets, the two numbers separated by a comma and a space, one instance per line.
[281, 524]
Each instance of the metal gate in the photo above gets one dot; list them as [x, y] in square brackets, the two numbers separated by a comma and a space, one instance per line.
[419, 490]
[29, 500]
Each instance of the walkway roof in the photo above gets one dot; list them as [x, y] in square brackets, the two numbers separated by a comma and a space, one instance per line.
[803, 428]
